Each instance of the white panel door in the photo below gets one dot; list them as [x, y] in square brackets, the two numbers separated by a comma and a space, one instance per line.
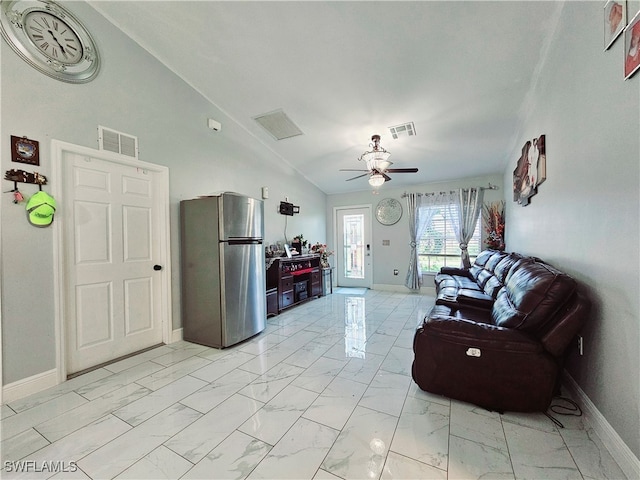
[353, 255]
[111, 233]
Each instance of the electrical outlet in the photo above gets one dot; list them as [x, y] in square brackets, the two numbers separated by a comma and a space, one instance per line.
[580, 345]
[395, 271]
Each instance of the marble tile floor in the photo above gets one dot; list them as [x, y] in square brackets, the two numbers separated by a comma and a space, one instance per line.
[325, 392]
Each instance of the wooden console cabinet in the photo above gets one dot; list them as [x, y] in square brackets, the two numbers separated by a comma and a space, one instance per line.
[296, 279]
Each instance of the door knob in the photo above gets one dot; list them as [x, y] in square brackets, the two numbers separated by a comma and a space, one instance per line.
[157, 267]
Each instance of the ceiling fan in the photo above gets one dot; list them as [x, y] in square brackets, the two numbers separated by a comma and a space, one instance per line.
[377, 165]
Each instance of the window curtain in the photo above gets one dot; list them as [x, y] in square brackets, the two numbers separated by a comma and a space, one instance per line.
[412, 281]
[464, 212]
[420, 213]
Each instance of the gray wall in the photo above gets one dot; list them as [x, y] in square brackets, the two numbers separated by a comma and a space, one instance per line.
[135, 94]
[396, 255]
[584, 219]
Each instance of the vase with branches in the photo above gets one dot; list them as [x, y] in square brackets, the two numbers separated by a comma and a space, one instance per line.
[493, 216]
[321, 248]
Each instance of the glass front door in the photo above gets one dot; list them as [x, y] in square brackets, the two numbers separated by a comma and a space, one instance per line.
[353, 230]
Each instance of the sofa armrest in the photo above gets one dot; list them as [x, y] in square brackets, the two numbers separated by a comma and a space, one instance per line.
[562, 333]
[474, 298]
[455, 271]
[479, 335]
[493, 367]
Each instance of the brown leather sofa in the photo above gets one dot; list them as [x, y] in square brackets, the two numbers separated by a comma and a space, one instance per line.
[499, 332]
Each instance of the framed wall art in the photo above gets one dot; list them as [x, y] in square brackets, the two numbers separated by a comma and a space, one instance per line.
[531, 170]
[615, 19]
[632, 47]
[25, 150]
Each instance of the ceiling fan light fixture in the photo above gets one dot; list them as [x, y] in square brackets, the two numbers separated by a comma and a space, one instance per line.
[382, 165]
[376, 155]
[376, 180]
[378, 164]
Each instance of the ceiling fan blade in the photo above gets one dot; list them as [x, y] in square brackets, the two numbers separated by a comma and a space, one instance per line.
[359, 176]
[352, 170]
[401, 170]
[387, 178]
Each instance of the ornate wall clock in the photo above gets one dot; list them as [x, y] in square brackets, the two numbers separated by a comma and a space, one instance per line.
[50, 39]
[388, 211]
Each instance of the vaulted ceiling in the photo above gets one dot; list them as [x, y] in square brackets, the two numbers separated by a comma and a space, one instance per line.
[343, 71]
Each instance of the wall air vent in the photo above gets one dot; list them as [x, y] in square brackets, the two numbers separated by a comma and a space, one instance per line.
[404, 130]
[278, 125]
[117, 142]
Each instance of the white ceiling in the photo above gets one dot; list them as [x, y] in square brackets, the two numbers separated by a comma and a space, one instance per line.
[343, 71]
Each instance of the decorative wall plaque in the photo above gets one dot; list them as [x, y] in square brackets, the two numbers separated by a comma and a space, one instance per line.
[24, 150]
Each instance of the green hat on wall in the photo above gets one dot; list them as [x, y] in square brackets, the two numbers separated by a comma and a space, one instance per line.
[40, 209]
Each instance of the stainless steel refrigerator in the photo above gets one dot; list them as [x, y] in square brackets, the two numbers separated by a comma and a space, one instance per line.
[223, 269]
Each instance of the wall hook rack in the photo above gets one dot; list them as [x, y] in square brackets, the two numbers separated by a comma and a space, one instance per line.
[21, 176]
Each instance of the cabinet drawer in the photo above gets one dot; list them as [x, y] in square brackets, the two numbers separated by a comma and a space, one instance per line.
[272, 301]
[286, 283]
[286, 299]
[316, 289]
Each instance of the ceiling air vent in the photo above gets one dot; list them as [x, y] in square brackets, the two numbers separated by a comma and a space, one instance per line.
[404, 130]
[278, 125]
[117, 142]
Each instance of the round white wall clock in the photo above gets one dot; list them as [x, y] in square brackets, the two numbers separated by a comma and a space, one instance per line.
[388, 211]
[51, 39]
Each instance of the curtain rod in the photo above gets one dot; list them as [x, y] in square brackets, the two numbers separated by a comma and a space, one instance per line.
[490, 187]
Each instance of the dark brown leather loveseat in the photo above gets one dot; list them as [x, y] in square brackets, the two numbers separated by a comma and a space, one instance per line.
[498, 332]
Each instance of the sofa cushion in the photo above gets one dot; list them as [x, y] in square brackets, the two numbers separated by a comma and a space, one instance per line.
[494, 260]
[482, 270]
[533, 293]
[479, 263]
[504, 266]
[492, 287]
[483, 277]
[500, 272]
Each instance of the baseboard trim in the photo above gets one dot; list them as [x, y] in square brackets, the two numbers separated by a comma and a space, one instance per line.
[176, 335]
[619, 450]
[402, 289]
[30, 385]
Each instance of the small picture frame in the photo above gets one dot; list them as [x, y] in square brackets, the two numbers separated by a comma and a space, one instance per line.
[632, 47]
[287, 250]
[25, 150]
[615, 19]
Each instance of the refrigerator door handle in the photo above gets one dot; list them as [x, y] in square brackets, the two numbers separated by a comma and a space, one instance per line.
[244, 241]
